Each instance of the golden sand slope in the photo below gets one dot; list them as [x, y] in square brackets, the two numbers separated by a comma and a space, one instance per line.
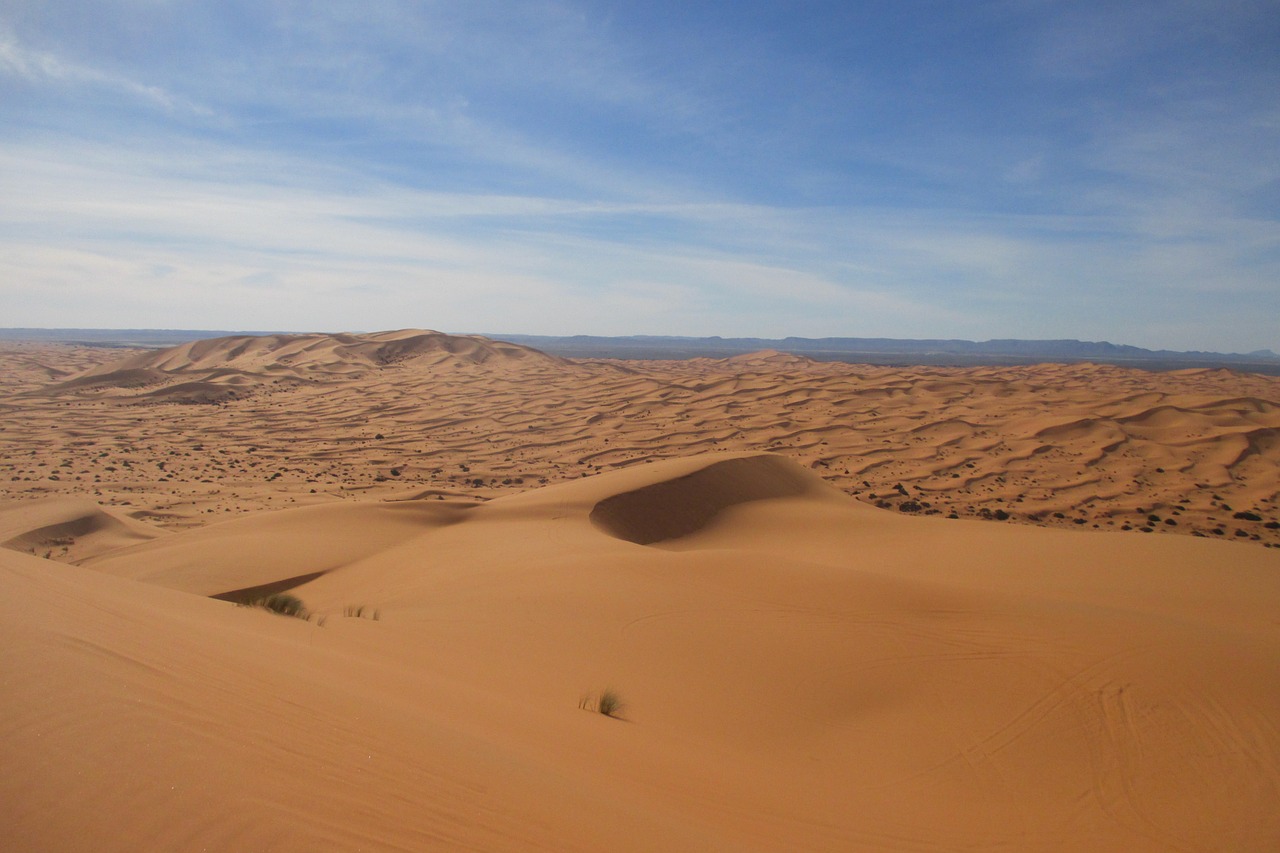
[318, 418]
[71, 528]
[801, 672]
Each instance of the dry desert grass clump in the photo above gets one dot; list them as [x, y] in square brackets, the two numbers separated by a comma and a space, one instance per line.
[282, 603]
[607, 702]
[825, 644]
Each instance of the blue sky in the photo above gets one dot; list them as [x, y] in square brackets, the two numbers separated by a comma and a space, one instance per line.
[975, 169]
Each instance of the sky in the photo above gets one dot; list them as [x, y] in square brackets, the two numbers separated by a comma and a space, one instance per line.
[913, 169]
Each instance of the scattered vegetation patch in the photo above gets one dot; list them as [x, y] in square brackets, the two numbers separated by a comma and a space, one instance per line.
[360, 611]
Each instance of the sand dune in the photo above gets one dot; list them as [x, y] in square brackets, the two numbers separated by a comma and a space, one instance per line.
[755, 553]
[315, 418]
[71, 528]
[340, 354]
[223, 369]
[800, 672]
[269, 553]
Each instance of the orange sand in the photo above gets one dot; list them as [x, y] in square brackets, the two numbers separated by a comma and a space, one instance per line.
[801, 670]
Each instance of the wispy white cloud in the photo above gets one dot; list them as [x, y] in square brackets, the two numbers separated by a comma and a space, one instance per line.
[100, 234]
[43, 67]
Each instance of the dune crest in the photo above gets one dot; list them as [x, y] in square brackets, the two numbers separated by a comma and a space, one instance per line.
[273, 552]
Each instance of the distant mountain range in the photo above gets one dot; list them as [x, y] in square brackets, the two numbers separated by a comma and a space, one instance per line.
[897, 350]
[893, 351]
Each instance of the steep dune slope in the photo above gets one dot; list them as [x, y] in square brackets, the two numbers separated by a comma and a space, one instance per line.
[800, 672]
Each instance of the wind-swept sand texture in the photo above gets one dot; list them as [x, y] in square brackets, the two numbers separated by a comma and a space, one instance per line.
[800, 670]
[315, 418]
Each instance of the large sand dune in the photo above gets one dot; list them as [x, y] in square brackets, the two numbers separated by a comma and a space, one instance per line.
[801, 672]
[224, 369]
[801, 669]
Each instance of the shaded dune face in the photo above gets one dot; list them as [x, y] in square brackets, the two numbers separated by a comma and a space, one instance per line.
[254, 593]
[670, 509]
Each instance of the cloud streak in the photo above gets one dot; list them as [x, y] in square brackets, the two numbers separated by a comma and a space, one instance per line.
[40, 67]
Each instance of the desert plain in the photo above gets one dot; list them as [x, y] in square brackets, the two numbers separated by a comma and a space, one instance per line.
[842, 607]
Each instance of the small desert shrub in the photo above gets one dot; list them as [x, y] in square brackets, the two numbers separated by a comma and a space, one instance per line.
[282, 603]
[359, 611]
[608, 703]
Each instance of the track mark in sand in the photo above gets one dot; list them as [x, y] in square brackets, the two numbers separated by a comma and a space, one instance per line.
[1071, 691]
[1120, 759]
[1102, 712]
[1115, 746]
[1248, 744]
